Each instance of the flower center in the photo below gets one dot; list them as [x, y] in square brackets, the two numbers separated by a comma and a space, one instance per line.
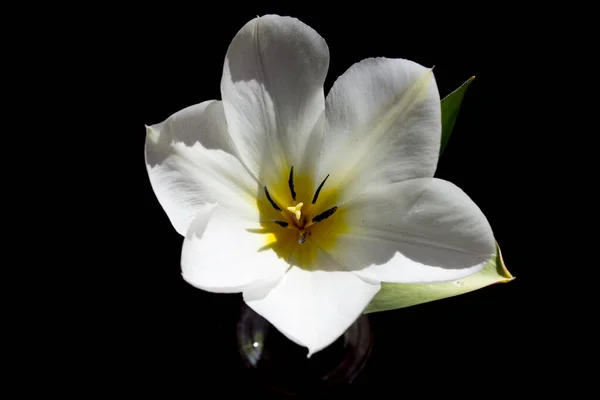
[292, 216]
[296, 210]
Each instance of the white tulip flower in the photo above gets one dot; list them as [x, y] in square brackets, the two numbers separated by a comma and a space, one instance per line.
[303, 202]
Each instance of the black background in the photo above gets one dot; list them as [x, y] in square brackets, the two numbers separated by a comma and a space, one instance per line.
[168, 336]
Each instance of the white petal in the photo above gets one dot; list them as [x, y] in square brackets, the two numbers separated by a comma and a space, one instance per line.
[191, 162]
[221, 254]
[313, 308]
[272, 88]
[383, 125]
[421, 230]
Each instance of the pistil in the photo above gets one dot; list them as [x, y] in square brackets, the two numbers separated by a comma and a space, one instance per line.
[296, 210]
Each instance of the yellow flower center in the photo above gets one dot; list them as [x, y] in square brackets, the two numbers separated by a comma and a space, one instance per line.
[297, 230]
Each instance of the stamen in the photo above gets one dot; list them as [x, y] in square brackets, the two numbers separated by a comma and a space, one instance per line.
[291, 183]
[296, 210]
[302, 238]
[275, 206]
[283, 224]
[316, 196]
[325, 214]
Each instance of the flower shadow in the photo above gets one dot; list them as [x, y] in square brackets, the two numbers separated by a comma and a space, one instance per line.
[367, 253]
[424, 225]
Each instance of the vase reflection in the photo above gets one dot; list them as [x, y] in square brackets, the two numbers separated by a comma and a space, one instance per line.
[281, 365]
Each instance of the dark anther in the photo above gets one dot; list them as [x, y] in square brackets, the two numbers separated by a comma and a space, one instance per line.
[316, 196]
[324, 214]
[275, 206]
[283, 224]
[302, 238]
[291, 183]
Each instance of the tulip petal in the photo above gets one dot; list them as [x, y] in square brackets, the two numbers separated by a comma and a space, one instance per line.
[191, 162]
[416, 231]
[221, 253]
[313, 308]
[272, 89]
[383, 125]
[398, 295]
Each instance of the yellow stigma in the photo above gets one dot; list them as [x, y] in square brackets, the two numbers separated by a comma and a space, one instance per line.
[296, 210]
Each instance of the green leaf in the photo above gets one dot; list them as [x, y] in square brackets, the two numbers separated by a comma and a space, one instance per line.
[450, 108]
[400, 295]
